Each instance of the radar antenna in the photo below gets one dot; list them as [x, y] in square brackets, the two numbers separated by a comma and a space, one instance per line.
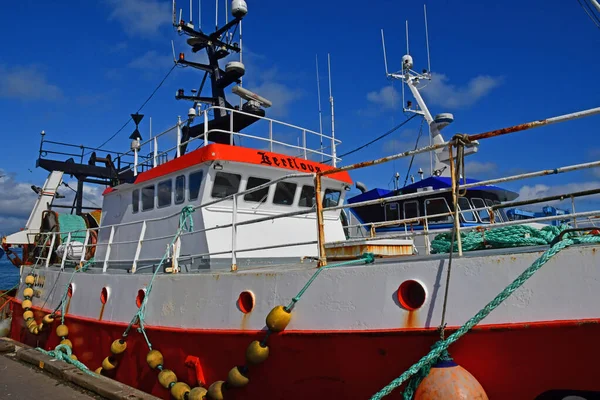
[218, 45]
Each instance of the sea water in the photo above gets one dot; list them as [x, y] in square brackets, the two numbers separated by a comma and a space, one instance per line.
[9, 274]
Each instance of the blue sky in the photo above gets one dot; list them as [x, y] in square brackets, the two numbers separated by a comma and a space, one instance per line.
[78, 69]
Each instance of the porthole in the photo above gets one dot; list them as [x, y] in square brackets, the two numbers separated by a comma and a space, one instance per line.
[246, 301]
[141, 295]
[411, 295]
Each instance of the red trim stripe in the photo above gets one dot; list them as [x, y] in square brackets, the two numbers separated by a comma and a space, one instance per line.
[246, 155]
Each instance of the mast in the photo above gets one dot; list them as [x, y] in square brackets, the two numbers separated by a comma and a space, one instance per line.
[319, 101]
[333, 152]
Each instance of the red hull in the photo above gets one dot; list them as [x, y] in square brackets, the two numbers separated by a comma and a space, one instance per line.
[511, 362]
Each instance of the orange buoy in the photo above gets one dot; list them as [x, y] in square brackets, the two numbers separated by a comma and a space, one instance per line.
[449, 381]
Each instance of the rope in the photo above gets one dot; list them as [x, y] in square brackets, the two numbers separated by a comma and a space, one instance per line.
[186, 223]
[62, 352]
[442, 345]
[367, 258]
[503, 237]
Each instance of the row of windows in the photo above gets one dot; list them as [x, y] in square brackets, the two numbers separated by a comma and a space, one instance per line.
[225, 185]
[440, 206]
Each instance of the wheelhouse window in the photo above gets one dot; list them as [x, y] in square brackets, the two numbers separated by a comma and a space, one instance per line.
[259, 196]
[501, 211]
[411, 210]
[307, 196]
[165, 189]
[392, 212]
[148, 198]
[135, 200]
[195, 183]
[180, 189]
[437, 206]
[467, 214]
[284, 193]
[225, 184]
[332, 198]
[484, 216]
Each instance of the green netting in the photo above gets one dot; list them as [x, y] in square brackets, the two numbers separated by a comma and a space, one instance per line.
[69, 223]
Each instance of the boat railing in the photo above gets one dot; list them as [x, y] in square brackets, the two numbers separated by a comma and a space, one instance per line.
[265, 134]
[320, 211]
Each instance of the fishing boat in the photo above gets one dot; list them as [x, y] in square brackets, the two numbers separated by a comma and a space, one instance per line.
[219, 267]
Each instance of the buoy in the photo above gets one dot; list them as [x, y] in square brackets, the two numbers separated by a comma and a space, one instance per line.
[67, 342]
[73, 357]
[154, 359]
[179, 389]
[48, 319]
[98, 370]
[28, 292]
[166, 377]
[449, 381]
[197, 393]
[27, 314]
[236, 378]
[278, 319]
[62, 331]
[118, 346]
[29, 280]
[256, 353]
[34, 329]
[109, 364]
[215, 391]
[26, 304]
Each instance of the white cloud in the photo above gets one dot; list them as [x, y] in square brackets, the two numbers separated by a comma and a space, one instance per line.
[476, 167]
[387, 97]
[440, 92]
[279, 94]
[141, 17]
[27, 83]
[540, 190]
[17, 200]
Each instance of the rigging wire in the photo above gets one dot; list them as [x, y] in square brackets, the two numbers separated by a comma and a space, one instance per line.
[394, 129]
[590, 13]
[75, 191]
[139, 109]
[413, 156]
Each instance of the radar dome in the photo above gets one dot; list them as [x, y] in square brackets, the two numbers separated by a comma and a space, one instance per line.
[239, 8]
[407, 62]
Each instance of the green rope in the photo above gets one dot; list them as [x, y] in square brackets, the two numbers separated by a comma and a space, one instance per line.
[62, 352]
[63, 301]
[503, 237]
[186, 223]
[439, 347]
[367, 258]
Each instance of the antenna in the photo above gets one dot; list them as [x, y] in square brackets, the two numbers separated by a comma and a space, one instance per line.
[200, 14]
[241, 78]
[333, 155]
[407, 50]
[320, 111]
[180, 13]
[173, 49]
[174, 10]
[427, 39]
[384, 54]
[191, 11]
[226, 16]
[217, 15]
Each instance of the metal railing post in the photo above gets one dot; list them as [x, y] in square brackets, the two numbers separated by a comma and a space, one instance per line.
[573, 207]
[178, 137]
[231, 128]
[270, 135]
[320, 222]
[138, 250]
[304, 143]
[50, 249]
[85, 244]
[155, 152]
[108, 245]
[234, 234]
[206, 127]
[64, 257]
